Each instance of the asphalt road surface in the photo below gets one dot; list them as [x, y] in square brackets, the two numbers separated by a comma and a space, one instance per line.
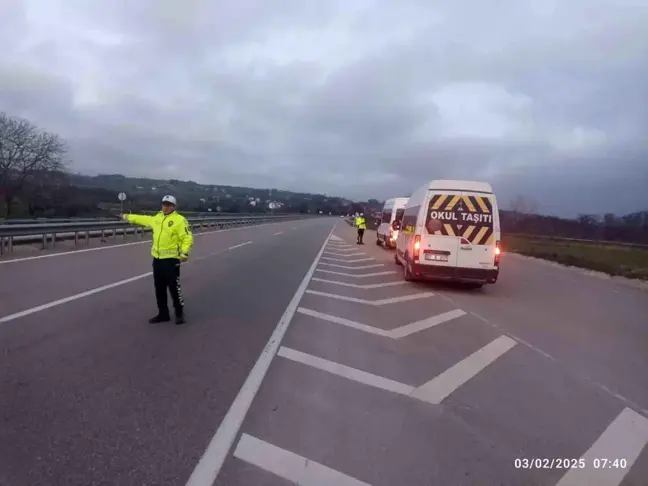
[307, 360]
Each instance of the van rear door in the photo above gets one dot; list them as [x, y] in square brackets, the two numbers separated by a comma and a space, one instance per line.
[476, 228]
[439, 242]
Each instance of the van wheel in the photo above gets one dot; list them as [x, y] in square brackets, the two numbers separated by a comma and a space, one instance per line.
[377, 241]
[473, 286]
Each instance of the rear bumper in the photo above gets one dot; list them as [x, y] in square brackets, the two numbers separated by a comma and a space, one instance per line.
[437, 272]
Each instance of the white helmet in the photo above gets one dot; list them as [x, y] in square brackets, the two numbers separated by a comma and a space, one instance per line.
[169, 199]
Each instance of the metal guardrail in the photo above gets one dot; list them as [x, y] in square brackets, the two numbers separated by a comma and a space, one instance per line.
[188, 214]
[51, 232]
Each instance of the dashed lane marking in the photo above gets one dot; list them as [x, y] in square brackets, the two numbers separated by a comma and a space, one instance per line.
[359, 286]
[356, 267]
[391, 300]
[278, 233]
[362, 275]
[397, 333]
[288, 465]
[239, 245]
[623, 440]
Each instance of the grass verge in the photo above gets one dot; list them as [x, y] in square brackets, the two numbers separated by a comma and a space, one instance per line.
[630, 262]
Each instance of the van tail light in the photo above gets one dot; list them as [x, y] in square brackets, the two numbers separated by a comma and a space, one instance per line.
[498, 252]
[417, 247]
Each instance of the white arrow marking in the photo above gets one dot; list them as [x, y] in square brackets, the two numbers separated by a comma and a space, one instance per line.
[392, 300]
[357, 267]
[373, 274]
[348, 261]
[396, 333]
[434, 391]
[358, 286]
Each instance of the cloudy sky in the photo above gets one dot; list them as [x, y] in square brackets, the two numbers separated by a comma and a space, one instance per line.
[355, 98]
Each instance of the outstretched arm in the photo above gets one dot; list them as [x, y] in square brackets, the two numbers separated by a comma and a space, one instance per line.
[138, 219]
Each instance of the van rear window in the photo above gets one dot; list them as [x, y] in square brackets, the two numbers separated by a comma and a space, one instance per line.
[469, 217]
[399, 214]
[386, 216]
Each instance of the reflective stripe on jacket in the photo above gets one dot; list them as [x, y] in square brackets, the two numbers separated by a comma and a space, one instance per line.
[171, 233]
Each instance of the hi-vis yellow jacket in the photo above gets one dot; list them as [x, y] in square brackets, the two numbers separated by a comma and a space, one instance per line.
[171, 234]
[361, 223]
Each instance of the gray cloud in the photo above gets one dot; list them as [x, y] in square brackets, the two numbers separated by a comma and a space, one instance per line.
[537, 97]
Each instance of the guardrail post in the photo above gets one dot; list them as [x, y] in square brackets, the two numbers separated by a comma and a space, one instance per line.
[10, 244]
[76, 238]
[87, 237]
[53, 240]
[2, 245]
[44, 242]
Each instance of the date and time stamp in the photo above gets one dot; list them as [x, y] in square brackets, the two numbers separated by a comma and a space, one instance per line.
[570, 463]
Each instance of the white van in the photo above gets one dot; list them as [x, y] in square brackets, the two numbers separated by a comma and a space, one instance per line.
[451, 231]
[392, 212]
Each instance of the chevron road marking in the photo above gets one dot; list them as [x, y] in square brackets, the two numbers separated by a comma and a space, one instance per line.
[396, 333]
[347, 261]
[358, 286]
[288, 465]
[343, 254]
[335, 238]
[392, 300]
[434, 391]
[341, 249]
[357, 267]
[362, 275]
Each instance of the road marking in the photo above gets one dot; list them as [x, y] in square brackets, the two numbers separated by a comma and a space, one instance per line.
[358, 286]
[341, 249]
[343, 254]
[396, 333]
[373, 274]
[624, 439]
[288, 465]
[392, 300]
[121, 245]
[278, 233]
[210, 463]
[357, 267]
[71, 298]
[239, 245]
[348, 261]
[335, 238]
[345, 371]
[437, 389]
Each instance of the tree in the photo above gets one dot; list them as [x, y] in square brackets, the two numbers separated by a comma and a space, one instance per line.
[27, 154]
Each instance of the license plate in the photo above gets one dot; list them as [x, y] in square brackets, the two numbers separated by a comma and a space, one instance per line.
[436, 258]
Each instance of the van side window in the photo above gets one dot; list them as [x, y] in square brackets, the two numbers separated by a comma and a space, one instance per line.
[410, 216]
[386, 216]
[398, 219]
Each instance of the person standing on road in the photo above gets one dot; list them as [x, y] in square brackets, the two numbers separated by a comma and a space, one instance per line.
[172, 242]
[361, 224]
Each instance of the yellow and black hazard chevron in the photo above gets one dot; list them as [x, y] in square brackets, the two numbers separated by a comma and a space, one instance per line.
[454, 202]
[446, 218]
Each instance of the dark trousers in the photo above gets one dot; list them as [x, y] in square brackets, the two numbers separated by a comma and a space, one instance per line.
[360, 234]
[166, 276]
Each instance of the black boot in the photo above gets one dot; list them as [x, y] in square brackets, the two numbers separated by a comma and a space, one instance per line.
[180, 319]
[159, 318]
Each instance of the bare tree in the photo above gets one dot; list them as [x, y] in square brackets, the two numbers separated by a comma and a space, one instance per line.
[27, 154]
[521, 207]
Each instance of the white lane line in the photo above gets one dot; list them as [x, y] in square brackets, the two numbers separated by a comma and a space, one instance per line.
[348, 261]
[437, 389]
[356, 267]
[122, 245]
[345, 371]
[210, 463]
[358, 286]
[239, 245]
[71, 298]
[288, 465]
[624, 439]
[373, 274]
[278, 233]
[396, 333]
[391, 300]
[87, 293]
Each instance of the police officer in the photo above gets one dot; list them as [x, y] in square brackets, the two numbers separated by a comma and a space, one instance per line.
[172, 242]
[361, 224]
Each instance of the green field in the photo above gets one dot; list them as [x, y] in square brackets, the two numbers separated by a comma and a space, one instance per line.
[631, 262]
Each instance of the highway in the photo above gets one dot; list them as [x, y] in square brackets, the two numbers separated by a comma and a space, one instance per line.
[307, 360]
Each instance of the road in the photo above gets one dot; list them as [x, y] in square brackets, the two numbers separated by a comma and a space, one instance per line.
[308, 360]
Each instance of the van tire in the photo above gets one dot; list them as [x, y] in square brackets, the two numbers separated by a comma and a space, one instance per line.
[473, 286]
[407, 275]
